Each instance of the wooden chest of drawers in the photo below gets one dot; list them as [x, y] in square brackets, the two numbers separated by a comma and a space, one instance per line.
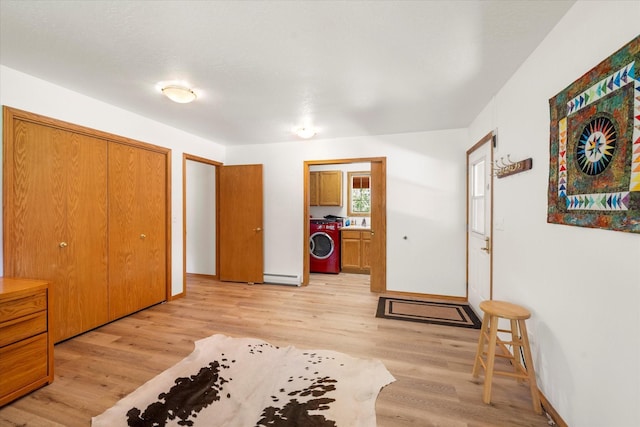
[26, 346]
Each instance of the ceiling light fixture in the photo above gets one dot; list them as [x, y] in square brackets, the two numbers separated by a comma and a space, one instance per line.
[305, 132]
[181, 94]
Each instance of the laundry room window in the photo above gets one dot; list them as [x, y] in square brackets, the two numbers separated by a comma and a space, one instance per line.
[359, 194]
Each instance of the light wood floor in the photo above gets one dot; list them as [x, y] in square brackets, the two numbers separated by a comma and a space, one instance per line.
[432, 364]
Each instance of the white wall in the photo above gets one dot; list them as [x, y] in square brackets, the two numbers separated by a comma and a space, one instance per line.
[201, 218]
[28, 93]
[425, 184]
[425, 202]
[582, 285]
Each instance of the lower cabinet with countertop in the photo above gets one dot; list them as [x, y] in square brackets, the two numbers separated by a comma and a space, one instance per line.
[355, 245]
[26, 343]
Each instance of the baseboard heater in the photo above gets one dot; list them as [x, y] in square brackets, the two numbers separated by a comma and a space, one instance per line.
[282, 279]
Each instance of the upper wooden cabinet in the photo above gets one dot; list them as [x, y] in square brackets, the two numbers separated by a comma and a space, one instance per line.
[325, 188]
[314, 188]
[77, 202]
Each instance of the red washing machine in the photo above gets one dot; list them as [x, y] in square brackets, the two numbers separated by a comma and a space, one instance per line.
[324, 246]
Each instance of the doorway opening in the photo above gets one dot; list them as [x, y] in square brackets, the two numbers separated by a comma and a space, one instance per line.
[376, 226]
[199, 229]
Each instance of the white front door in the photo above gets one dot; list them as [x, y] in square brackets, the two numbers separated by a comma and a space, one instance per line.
[479, 223]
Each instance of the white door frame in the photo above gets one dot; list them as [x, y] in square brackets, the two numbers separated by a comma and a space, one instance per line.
[480, 259]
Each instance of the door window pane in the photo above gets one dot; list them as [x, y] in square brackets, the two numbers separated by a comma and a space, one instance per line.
[477, 197]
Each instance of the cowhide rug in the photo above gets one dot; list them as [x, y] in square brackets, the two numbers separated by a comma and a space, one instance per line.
[247, 382]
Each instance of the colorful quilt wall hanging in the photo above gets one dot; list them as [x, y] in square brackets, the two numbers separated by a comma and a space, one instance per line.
[594, 166]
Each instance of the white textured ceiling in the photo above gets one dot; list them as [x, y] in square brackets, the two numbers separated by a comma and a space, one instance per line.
[352, 68]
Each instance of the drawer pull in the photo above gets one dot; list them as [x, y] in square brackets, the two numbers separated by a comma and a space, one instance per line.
[63, 244]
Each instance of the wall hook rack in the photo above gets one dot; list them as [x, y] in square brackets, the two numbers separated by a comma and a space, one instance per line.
[502, 167]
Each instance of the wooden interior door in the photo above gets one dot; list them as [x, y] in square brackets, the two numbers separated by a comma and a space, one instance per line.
[240, 228]
[137, 229]
[55, 219]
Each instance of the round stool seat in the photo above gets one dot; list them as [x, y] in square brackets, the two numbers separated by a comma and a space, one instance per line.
[505, 310]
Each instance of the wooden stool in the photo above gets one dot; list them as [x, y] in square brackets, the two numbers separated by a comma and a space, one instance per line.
[493, 311]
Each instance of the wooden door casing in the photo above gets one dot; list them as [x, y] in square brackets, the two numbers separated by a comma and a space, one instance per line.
[240, 223]
[55, 220]
[137, 229]
[378, 243]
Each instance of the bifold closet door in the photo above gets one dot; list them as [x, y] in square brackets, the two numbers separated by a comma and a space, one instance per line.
[56, 220]
[137, 229]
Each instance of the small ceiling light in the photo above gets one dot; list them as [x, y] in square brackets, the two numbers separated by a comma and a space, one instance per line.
[305, 132]
[179, 93]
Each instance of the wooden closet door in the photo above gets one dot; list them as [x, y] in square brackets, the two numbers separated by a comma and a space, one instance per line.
[137, 229]
[240, 211]
[55, 221]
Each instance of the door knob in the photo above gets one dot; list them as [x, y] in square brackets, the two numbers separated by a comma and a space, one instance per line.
[63, 244]
[257, 229]
[487, 245]
[143, 236]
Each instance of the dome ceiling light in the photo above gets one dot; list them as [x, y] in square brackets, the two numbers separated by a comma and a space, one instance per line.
[178, 92]
[305, 132]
